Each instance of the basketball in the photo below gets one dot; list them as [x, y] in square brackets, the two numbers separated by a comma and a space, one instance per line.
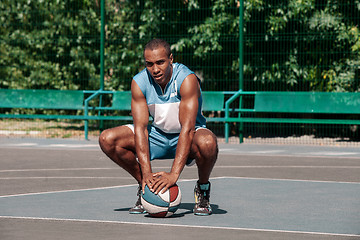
[163, 204]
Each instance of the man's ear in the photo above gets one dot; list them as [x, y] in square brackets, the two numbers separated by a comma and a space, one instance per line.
[171, 58]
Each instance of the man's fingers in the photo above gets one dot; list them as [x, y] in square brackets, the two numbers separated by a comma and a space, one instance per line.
[164, 189]
[161, 187]
[156, 185]
[149, 182]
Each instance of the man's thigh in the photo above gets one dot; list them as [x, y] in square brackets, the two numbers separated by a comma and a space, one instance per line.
[123, 136]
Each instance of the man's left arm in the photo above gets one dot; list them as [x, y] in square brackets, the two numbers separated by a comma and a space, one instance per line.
[190, 92]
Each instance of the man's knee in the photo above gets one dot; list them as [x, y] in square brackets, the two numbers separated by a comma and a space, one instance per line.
[207, 144]
[118, 137]
[211, 145]
[106, 139]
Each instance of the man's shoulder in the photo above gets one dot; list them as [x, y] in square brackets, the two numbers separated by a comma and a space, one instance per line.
[180, 67]
[141, 74]
[181, 71]
[142, 80]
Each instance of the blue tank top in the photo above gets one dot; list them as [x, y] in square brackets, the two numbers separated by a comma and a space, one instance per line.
[164, 106]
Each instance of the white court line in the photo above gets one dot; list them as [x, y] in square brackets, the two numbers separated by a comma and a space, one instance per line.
[66, 169]
[84, 189]
[217, 166]
[55, 169]
[25, 144]
[182, 226]
[51, 149]
[71, 145]
[296, 155]
[285, 179]
[284, 151]
[61, 147]
[289, 166]
[226, 151]
[23, 178]
[71, 190]
[254, 152]
[332, 153]
[181, 180]
[52, 145]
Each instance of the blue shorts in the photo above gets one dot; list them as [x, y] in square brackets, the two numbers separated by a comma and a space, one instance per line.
[161, 145]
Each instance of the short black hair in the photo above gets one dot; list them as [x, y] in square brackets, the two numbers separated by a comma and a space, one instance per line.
[156, 43]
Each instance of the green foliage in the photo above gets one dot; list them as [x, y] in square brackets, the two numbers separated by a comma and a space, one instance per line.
[302, 45]
[289, 45]
[48, 44]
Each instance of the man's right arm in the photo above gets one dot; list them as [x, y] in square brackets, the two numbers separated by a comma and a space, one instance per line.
[140, 115]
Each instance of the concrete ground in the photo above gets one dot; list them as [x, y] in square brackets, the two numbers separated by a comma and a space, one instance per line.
[67, 189]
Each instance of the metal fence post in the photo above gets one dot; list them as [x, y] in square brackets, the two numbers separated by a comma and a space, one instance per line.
[102, 43]
[241, 63]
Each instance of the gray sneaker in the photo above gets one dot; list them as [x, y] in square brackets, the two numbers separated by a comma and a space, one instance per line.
[202, 199]
[138, 208]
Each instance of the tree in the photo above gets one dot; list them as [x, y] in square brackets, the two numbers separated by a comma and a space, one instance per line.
[302, 45]
[49, 44]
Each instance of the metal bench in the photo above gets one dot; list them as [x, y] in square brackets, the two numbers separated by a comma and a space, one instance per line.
[77, 100]
[213, 106]
[326, 103]
[41, 99]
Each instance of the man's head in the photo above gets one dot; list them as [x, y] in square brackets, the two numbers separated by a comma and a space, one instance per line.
[158, 61]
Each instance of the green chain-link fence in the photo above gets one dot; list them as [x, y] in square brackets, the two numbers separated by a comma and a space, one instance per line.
[288, 45]
[301, 46]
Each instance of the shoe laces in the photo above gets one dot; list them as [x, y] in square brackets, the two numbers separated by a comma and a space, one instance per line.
[203, 197]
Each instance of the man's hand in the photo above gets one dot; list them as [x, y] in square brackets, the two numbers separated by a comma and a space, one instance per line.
[163, 181]
[147, 179]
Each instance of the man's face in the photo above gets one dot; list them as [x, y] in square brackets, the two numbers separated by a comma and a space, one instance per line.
[159, 64]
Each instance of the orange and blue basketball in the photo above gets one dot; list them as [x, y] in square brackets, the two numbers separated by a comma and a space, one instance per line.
[161, 204]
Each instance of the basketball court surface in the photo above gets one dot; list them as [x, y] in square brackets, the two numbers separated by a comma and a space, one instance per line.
[66, 189]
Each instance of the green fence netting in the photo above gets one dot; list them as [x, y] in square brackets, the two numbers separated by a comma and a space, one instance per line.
[301, 46]
[288, 45]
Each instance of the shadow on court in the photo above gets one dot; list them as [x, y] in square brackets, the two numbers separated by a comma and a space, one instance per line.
[185, 208]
